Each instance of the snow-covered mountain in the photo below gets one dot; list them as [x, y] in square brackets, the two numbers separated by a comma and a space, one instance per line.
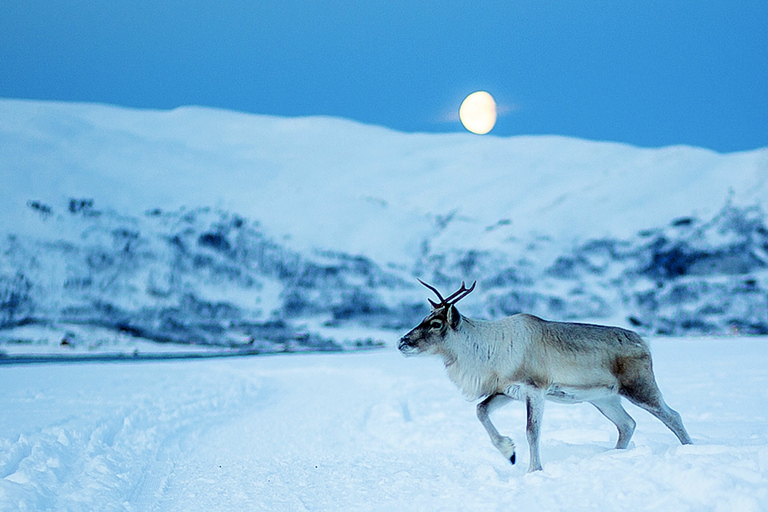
[220, 228]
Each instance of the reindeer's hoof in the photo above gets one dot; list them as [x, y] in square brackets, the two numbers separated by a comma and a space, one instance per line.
[507, 448]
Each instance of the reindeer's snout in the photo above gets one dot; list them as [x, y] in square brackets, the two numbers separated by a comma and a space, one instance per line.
[406, 346]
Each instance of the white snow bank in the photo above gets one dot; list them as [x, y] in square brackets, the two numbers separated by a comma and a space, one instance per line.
[370, 431]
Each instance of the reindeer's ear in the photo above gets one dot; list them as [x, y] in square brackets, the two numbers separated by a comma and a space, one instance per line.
[453, 317]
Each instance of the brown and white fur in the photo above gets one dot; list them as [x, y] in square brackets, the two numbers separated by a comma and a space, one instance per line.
[523, 357]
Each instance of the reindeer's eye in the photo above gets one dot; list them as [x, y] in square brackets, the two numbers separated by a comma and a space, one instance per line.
[436, 324]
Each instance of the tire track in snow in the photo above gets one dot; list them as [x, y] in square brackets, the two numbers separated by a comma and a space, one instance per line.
[11, 455]
[126, 415]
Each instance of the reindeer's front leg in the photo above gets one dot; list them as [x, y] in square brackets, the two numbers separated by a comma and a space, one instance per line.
[502, 443]
[534, 403]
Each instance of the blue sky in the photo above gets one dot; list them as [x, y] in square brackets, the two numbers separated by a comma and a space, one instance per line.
[649, 73]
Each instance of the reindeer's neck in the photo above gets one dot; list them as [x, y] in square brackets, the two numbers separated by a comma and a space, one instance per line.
[470, 357]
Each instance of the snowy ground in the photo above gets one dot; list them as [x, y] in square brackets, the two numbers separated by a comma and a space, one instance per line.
[369, 431]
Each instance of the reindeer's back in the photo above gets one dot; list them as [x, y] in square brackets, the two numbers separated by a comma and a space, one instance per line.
[567, 352]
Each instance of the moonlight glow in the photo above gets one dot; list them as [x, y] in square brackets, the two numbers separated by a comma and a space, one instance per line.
[478, 112]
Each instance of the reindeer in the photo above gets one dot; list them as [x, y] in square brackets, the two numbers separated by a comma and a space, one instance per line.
[523, 357]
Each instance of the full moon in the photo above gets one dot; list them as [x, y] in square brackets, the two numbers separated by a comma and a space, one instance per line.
[478, 112]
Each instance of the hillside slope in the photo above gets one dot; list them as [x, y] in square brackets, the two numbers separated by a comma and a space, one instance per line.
[226, 229]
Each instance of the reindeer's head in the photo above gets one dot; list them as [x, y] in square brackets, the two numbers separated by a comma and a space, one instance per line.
[428, 336]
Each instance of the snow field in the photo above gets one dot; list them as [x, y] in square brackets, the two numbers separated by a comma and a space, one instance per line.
[370, 431]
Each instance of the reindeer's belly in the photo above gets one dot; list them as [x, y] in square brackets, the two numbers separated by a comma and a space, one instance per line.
[563, 394]
[572, 395]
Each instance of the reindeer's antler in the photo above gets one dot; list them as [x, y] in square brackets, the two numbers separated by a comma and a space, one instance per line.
[453, 298]
[460, 293]
[431, 302]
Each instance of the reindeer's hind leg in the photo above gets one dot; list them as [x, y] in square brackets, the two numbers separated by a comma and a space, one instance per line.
[502, 443]
[611, 408]
[639, 385]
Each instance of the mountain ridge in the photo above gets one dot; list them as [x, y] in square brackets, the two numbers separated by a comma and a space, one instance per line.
[158, 223]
